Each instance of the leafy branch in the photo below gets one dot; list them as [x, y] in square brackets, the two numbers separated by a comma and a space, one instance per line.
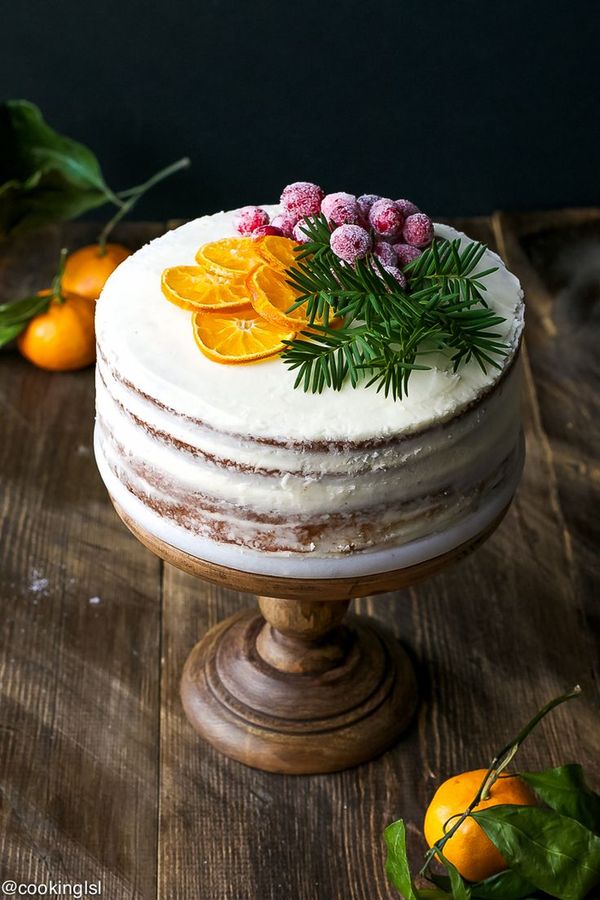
[15, 316]
[47, 177]
[551, 850]
[382, 331]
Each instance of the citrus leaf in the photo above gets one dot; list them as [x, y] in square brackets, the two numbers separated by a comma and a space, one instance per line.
[460, 891]
[555, 853]
[21, 311]
[396, 863]
[44, 177]
[15, 316]
[564, 789]
[9, 332]
[507, 885]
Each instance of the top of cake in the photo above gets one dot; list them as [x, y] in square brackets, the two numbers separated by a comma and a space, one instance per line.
[149, 343]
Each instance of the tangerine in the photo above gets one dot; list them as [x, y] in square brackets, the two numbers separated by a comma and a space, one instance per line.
[470, 850]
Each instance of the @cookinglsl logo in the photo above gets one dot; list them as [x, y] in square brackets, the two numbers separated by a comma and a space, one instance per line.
[76, 889]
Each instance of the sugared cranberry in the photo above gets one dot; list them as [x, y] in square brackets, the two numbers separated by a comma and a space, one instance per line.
[262, 230]
[249, 218]
[406, 254]
[385, 253]
[396, 274]
[418, 230]
[302, 198]
[285, 223]
[386, 218]
[299, 234]
[341, 209]
[365, 202]
[407, 208]
[350, 242]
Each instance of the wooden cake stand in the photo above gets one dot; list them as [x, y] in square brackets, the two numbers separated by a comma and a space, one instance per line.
[297, 686]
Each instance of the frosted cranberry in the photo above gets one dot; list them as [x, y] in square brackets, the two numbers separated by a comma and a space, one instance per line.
[285, 223]
[407, 208]
[341, 209]
[299, 233]
[418, 230]
[350, 242]
[302, 198]
[249, 218]
[386, 218]
[385, 253]
[406, 254]
[262, 230]
[365, 202]
[396, 274]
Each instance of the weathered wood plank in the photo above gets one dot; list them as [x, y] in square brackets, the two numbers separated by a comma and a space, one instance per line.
[557, 255]
[494, 637]
[80, 636]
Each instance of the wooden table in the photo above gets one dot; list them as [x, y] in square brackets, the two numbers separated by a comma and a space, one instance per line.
[101, 776]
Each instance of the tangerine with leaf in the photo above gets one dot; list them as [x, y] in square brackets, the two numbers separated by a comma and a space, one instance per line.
[470, 849]
[87, 269]
[59, 335]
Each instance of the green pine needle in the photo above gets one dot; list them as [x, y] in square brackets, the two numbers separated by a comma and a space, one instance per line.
[382, 332]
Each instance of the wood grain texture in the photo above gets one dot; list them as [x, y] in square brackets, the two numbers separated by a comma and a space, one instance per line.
[557, 256]
[80, 632]
[492, 638]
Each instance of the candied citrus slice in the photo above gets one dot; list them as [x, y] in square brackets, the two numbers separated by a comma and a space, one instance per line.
[271, 296]
[241, 337]
[189, 287]
[229, 256]
[277, 251]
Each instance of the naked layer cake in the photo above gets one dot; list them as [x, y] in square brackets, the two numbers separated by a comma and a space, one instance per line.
[235, 464]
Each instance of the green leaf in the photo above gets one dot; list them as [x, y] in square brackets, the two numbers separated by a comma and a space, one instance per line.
[15, 316]
[460, 891]
[564, 789]
[554, 852]
[9, 332]
[507, 885]
[396, 863]
[44, 177]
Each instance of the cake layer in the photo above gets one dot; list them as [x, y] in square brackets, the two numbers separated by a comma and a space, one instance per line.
[148, 341]
[233, 456]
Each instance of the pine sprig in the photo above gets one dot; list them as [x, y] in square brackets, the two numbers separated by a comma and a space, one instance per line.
[363, 325]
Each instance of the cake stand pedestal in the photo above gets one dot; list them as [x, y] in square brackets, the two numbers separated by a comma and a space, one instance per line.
[298, 686]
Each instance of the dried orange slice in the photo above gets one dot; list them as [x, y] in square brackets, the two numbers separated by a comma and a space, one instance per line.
[230, 256]
[271, 296]
[241, 337]
[277, 251]
[192, 288]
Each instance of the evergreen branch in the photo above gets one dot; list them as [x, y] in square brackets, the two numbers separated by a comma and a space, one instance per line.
[385, 329]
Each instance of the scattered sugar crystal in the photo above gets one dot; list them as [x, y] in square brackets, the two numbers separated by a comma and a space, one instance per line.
[38, 584]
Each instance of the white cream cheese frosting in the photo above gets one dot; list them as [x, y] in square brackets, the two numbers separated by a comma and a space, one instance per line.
[232, 464]
[150, 341]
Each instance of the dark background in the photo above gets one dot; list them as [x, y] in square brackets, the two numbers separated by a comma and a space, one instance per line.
[464, 107]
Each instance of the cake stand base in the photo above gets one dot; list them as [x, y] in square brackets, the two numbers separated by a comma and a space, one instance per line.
[296, 691]
[300, 688]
